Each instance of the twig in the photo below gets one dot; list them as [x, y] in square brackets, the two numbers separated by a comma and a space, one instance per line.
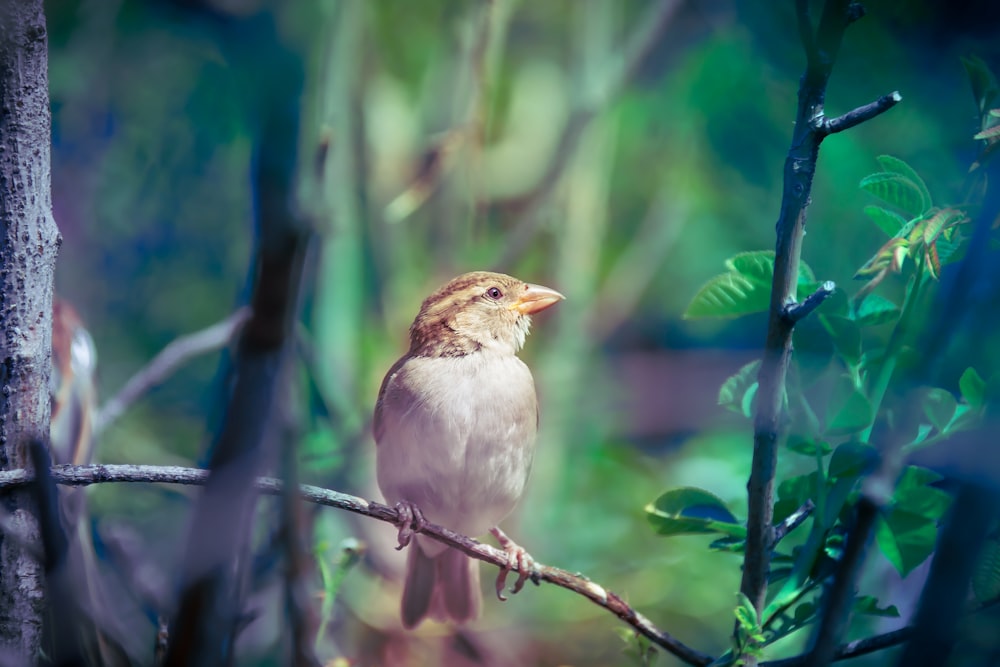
[793, 521]
[164, 364]
[644, 37]
[821, 49]
[861, 114]
[99, 474]
[797, 311]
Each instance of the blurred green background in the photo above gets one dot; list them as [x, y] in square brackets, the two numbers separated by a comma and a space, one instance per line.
[442, 136]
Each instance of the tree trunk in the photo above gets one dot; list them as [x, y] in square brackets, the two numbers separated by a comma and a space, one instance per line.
[29, 242]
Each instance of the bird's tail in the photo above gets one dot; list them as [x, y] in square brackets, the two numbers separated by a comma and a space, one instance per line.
[444, 587]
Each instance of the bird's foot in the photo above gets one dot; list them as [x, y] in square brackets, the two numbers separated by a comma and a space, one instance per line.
[411, 521]
[517, 558]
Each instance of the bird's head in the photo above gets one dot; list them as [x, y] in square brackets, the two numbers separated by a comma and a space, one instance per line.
[476, 311]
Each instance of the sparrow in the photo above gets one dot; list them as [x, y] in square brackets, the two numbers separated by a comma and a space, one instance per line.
[73, 393]
[455, 425]
[72, 386]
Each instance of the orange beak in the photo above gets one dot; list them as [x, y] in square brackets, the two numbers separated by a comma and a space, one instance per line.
[536, 298]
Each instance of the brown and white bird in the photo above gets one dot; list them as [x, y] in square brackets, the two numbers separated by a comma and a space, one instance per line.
[455, 425]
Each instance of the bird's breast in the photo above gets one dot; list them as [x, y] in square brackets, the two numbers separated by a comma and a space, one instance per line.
[456, 437]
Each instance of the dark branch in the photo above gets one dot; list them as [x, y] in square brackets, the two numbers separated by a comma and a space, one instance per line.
[861, 114]
[797, 311]
[97, 474]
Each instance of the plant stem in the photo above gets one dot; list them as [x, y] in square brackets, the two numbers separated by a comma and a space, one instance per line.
[891, 357]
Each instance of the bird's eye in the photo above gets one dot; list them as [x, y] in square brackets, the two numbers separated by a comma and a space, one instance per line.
[494, 293]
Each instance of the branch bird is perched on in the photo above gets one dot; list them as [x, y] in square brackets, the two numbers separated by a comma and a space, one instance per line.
[455, 425]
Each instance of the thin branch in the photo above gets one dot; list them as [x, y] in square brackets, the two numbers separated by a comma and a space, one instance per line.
[793, 521]
[177, 353]
[649, 28]
[853, 649]
[798, 311]
[861, 114]
[98, 474]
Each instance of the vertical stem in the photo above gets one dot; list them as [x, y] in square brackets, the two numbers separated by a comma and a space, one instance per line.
[800, 165]
[888, 365]
[28, 245]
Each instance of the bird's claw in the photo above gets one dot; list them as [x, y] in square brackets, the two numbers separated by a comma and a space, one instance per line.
[517, 558]
[411, 521]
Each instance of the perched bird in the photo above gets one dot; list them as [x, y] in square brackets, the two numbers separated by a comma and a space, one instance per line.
[455, 426]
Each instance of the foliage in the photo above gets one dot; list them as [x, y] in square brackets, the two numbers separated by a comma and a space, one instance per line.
[835, 408]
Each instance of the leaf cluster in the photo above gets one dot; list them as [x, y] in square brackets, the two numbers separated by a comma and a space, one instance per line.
[832, 410]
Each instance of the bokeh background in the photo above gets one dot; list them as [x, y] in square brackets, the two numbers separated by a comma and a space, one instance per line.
[442, 136]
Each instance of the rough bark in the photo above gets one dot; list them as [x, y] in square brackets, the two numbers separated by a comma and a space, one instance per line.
[28, 244]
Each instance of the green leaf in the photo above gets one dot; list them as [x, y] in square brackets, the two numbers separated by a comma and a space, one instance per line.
[941, 220]
[746, 613]
[691, 511]
[896, 166]
[804, 612]
[897, 190]
[875, 310]
[737, 385]
[744, 290]
[846, 336]
[758, 266]
[808, 446]
[755, 265]
[746, 405]
[914, 494]
[729, 295]
[852, 460]
[906, 540]
[848, 411]
[907, 531]
[983, 82]
[888, 221]
[793, 493]
[966, 417]
[986, 576]
[868, 605]
[938, 405]
[973, 388]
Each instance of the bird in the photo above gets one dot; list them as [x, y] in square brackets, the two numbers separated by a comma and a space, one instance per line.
[72, 386]
[455, 425]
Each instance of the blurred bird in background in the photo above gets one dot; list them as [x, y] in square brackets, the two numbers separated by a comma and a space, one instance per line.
[73, 388]
[74, 408]
[455, 425]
